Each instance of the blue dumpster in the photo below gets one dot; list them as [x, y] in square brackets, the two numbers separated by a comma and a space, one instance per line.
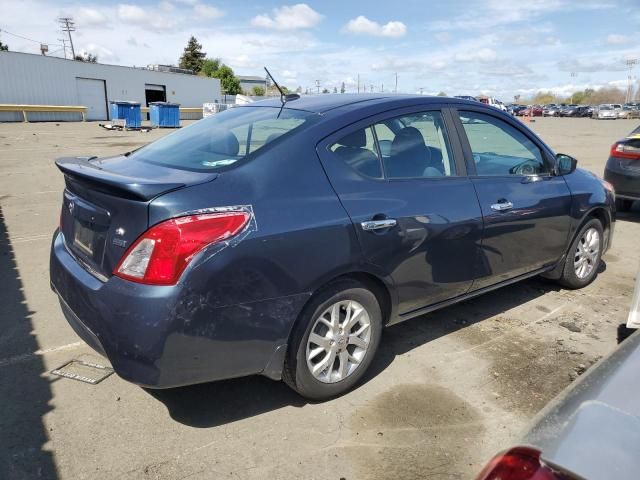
[164, 114]
[127, 111]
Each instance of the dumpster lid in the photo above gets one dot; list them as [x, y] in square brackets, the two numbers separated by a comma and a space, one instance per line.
[124, 102]
[165, 104]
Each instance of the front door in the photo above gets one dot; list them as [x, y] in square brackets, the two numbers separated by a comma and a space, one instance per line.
[526, 209]
[402, 180]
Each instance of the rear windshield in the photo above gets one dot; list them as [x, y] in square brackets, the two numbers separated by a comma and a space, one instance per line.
[224, 138]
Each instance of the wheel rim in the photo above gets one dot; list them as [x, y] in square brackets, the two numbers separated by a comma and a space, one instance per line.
[587, 253]
[338, 341]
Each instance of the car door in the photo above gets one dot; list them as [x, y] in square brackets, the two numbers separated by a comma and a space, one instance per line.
[401, 178]
[526, 209]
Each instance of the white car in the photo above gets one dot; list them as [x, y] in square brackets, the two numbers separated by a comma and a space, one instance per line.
[605, 112]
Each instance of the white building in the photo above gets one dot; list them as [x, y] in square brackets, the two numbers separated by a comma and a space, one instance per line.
[41, 80]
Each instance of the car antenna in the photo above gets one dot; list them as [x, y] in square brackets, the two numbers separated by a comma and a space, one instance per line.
[284, 97]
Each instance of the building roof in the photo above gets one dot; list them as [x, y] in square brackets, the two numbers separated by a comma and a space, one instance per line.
[250, 78]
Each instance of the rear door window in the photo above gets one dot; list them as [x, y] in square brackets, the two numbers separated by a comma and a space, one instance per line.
[358, 150]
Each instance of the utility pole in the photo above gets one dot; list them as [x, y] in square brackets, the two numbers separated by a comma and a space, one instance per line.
[382, 88]
[631, 62]
[68, 25]
[371, 86]
[573, 75]
[64, 46]
[421, 90]
[318, 85]
[358, 83]
[395, 90]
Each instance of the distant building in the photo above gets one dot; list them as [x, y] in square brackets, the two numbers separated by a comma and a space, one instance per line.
[247, 83]
[40, 80]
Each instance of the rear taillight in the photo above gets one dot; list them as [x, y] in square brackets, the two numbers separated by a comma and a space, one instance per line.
[160, 255]
[520, 463]
[624, 150]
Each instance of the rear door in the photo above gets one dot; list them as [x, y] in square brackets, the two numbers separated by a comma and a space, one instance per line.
[526, 210]
[401, 177]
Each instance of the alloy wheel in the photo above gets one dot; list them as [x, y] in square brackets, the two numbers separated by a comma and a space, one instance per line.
[587, 253]
[338, 341]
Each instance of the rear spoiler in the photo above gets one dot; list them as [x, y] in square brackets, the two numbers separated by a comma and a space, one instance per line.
[81, 169]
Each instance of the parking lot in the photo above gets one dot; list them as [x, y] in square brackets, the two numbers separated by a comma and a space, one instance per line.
[446, 392]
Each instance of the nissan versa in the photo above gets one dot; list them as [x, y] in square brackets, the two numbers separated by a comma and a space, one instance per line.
[280, 238]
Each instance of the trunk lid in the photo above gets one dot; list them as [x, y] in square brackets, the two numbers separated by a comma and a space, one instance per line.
[106, 205]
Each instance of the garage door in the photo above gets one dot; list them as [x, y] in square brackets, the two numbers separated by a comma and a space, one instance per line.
[92, 94]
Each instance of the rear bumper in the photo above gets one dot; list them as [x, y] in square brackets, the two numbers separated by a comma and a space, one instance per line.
[625, 181]
[161, 337]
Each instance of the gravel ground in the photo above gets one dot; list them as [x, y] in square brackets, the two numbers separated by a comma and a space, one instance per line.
[447, 391]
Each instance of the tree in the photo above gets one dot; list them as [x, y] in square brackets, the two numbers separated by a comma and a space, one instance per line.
[86, 57]
[342, 88]
[324, 90]
[4, 47]
[193, 56]
[214, 68]
[257, 91]
[442, 94]
[335, 90]
[209, 67]
[299, 89]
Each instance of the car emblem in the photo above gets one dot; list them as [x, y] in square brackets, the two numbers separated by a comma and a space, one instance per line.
[71, 207]
[120, 231]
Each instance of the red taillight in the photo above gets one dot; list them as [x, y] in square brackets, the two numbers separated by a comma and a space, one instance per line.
[520, 463]
[624, 150]
[160, 255]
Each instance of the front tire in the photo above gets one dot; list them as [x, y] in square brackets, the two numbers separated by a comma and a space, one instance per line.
[334, 341]
[583, 259]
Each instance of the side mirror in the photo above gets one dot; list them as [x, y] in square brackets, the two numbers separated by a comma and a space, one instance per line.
[565, 164]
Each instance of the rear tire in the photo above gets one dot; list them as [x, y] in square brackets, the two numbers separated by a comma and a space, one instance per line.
[623, 204]
[583, 258]
[334, 341]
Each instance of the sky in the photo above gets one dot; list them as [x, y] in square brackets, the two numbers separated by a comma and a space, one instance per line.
[500, 48]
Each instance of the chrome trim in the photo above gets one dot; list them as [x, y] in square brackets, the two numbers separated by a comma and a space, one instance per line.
[82, 263]
[378, 224]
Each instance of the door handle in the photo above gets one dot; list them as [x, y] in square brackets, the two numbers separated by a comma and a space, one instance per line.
[502, 206]
[378, 224]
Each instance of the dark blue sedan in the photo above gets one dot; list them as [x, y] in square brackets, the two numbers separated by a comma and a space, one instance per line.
[279, 239]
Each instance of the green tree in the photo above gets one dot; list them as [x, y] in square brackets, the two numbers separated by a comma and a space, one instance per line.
[4, 47]
[257, 91]
[335, 89]
[209, 67]
[193, 57]
[324, 90]
[442, 94]
[86, 57]
[342, 88]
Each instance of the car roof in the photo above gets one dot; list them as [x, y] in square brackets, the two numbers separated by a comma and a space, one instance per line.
[325, 102]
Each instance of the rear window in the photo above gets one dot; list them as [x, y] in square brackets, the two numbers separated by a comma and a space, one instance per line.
[223, 139]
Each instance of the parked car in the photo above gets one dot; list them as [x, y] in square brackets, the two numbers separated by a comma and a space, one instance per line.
[623, 170]
[550, 110]
[605, 112]
[532, 111]
[588, 432]
[493, 102]
[629, 111]
[280, 238]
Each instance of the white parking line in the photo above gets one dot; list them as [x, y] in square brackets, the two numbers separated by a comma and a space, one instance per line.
[25, 357]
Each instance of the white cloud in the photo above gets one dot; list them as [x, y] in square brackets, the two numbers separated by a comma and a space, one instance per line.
[443, 37]
[207, 11]
[89, 17]
[103, 53]
[482, 55]
[616, 39]
[147, 18]
[362, 25]
[289, 17]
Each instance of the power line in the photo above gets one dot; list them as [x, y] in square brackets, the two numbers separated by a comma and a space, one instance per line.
[68, 26]
[29, 39]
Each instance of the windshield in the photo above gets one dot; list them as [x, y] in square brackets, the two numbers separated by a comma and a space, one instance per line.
[224, 138]
[604, 107]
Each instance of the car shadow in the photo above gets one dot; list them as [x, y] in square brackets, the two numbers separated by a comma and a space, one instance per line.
[25, 396]
[223, 402]
[632, 216]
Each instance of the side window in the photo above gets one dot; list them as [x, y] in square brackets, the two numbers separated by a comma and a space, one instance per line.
[358, 150]
[500, 149]
[415, 146]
